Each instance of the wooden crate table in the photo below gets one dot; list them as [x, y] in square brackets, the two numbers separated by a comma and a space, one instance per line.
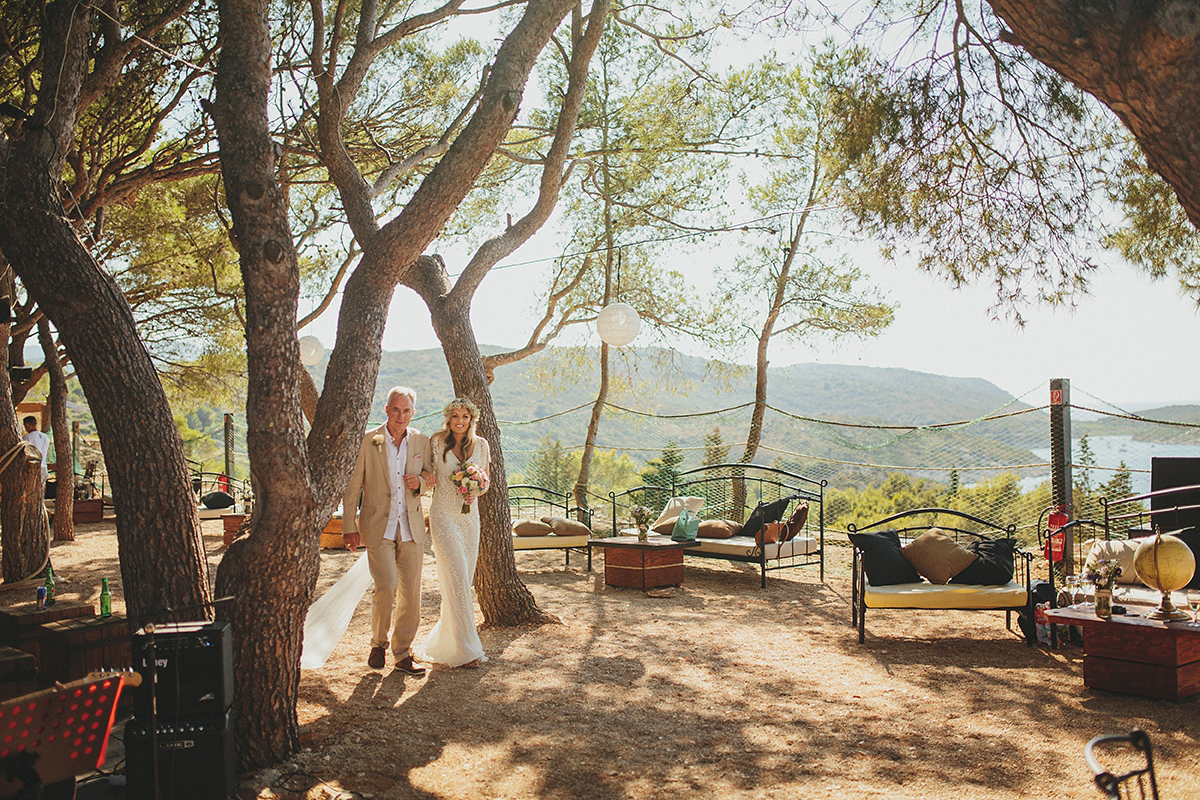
[1135, 655]
[20, 623]
[633, 564]
[70, 649]
[18, 675]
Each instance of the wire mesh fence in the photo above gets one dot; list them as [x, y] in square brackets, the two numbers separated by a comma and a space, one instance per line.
[996, 466]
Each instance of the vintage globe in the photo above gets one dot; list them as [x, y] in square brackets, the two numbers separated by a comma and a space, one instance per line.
[1165, 563]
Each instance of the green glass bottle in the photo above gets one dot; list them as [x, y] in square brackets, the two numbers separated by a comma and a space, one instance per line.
[105, 599]
[49, 586]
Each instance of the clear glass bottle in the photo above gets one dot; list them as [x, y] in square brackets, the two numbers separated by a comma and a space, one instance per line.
[105, 599]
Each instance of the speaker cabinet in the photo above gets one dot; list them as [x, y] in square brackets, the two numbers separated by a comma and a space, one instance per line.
[193, 674]
[195, 759]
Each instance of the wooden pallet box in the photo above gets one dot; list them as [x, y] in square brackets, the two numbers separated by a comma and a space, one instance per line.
[70, 649]
[18, 673]
[643, 568]
[20, 624]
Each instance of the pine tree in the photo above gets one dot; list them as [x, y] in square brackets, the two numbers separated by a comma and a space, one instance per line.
[664, 470]
[715, 449]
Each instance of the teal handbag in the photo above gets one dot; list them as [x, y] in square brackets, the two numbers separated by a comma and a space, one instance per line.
[686, 527]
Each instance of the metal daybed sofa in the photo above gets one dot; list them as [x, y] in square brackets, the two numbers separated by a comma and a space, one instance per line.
[733, 492]
[915, 592]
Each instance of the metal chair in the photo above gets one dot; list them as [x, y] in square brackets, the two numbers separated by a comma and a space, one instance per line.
[1138, 782]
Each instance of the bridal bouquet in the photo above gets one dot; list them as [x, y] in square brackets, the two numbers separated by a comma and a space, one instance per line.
[470, 479]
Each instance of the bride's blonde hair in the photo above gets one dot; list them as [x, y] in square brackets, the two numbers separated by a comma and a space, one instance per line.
[447, 435]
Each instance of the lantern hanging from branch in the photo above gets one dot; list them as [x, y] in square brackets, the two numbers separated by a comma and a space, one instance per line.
[618, 324]
[311, 350]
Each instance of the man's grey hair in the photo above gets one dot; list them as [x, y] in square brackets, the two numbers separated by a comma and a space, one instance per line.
[401, 391]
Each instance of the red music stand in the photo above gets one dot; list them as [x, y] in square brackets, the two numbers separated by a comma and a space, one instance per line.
[66, 728]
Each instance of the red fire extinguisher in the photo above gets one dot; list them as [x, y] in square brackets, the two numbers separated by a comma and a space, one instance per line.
[1057, 540]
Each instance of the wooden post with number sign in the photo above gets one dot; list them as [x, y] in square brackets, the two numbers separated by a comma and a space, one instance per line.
[1060, 461]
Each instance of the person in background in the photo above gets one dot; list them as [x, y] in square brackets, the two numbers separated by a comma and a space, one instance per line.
[39, 440]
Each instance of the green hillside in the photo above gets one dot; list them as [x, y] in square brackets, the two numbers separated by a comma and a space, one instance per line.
[663, 383]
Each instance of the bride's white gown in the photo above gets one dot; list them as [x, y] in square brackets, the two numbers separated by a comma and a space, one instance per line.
[454, 640]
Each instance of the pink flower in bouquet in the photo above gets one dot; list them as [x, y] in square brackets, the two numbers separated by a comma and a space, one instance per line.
[471, 479]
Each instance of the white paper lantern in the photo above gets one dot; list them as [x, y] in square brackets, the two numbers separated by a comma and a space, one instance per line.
[311, 350]
[618, 324]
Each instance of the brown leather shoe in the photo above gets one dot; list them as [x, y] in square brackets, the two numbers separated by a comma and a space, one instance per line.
[377, 658]
[407, 665]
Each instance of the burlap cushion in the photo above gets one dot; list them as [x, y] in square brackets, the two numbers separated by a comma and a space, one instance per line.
[531, 527]
[718, 528]
[567, 527]
[937, 556]
[665, 526]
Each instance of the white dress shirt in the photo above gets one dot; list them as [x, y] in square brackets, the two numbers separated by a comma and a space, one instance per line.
[398, 516]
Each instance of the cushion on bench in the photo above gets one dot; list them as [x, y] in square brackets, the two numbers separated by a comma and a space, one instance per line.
[673, 507]
[1119, 550]
[746, 546]
[567, 527]
[948, 596]
[531, 527]
[548, 542]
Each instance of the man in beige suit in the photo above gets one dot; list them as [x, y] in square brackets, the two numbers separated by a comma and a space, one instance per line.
[382, 510]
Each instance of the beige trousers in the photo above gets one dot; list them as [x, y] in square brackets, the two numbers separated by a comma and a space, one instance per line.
[396, 569]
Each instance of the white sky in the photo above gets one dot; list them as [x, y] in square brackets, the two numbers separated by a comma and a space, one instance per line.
[1129, 343]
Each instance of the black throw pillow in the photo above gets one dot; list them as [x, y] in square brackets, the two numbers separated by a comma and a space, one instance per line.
[215, 500]
[994, 567]
[762, 514]
[882, 559]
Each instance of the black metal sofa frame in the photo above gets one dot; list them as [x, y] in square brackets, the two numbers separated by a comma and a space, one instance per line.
[732, 491]
[535, 502]
[927, 596]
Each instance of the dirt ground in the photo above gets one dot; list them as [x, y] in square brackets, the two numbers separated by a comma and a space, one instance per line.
[723, 690]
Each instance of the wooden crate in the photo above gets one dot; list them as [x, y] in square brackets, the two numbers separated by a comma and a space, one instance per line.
[18, 673]
[70, 649]
[88, 510]
[331, 537]
[643, 568]
[20, 624]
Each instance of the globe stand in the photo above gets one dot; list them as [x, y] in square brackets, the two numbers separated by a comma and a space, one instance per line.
[1167, 611]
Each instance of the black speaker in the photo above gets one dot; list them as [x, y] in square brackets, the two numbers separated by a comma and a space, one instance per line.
[193, 675]
[195, 759]
[1169, 473]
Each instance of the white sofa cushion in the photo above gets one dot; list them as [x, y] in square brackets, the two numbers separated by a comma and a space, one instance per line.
[1122, 550]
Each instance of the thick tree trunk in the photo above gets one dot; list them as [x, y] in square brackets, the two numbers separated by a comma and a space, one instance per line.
[503, 598]
[1142, 60]
[24, 535]
[272, 573]
[157, 522]
[64, 470]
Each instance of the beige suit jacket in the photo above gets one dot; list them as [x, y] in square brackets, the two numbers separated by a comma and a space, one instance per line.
[368, 499]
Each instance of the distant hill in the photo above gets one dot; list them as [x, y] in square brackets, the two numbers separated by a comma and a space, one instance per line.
[666, 383]
[528, 388]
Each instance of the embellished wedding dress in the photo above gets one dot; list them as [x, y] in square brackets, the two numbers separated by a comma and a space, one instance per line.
[454, 640]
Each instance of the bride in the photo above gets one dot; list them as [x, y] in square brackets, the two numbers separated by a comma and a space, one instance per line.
[454, 640]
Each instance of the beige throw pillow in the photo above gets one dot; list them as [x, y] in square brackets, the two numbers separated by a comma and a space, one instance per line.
[717, 529]
[567, 527]
[1119, 550]
[531, 527]
[937, 556]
